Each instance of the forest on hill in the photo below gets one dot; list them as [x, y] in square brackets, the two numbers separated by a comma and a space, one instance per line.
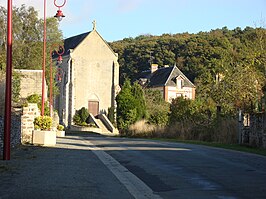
[228, 67]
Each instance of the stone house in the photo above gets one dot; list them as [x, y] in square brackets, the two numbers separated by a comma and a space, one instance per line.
[170, 81]
[88, 76]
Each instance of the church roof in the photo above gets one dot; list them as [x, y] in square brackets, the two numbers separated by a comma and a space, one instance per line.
[73, 42]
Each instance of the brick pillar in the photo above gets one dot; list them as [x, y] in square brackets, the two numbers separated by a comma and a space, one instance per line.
[29, 113]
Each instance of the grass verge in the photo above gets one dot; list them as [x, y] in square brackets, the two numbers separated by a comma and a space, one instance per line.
[235, 147]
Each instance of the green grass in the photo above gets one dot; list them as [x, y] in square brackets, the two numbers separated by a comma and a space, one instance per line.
[235, 147]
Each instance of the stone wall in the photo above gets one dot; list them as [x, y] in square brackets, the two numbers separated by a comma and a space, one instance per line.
[29, 113]
[253, 130]
[31, 82]
[2, 94]
[15, 136]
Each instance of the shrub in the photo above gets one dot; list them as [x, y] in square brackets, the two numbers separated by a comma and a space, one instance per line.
[131, 105]
[111, 114]
[16, 86]
[81, 116]
[141, 129]
[35, 98]
[43, 123]
[60, 127]
[157, 108]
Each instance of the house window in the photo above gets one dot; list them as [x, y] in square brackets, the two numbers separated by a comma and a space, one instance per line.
[179, 83]
[179, 95]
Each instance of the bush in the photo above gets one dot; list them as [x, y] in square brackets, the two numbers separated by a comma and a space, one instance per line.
[131, 105]
[43, 123]
[16, 86]
[111, 114]
[157, 108]
[35, 98]
[81, 116]
[60, 127]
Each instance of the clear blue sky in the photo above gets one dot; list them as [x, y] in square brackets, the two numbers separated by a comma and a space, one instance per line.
[118, 19]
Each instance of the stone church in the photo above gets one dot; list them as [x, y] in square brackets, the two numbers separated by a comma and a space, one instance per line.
[88, 76]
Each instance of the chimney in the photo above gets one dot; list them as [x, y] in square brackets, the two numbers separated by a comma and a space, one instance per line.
[154, 67]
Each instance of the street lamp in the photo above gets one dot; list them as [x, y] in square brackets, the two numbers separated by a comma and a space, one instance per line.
[59, 16]
[59, 52]
[7, 123]
[59, 74]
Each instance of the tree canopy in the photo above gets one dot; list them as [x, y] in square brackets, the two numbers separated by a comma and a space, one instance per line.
[227, 66]
[27, 37]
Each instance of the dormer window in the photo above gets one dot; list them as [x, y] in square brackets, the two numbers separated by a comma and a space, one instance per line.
[179, 82]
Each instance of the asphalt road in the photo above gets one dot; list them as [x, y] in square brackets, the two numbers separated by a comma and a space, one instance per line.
[175, 170]
[91, 166]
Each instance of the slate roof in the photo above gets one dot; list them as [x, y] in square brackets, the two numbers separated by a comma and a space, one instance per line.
[160, 77]
[73, 42]
[166, 76]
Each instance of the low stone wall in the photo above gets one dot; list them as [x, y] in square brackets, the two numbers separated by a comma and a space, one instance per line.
[85, 129]
[29, 114]
[253, 130]
[15, 134]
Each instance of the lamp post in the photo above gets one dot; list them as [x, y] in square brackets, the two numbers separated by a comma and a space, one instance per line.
[7, 123]
[43, 55]
[59, 74]
[59, 15]
[59, 52]
[8, 92]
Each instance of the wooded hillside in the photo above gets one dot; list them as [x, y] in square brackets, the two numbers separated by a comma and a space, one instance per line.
[227, 66]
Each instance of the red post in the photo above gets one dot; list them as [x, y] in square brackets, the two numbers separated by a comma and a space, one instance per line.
[7, 123]
[59, 52]
[44, 57]
[51, 86]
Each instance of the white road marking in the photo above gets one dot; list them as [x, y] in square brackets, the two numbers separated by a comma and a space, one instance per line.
[133, 184]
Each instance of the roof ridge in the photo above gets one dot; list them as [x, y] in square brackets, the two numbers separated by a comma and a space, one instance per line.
[169, 75]
[184, 76]
[77, 35]
[74, 41]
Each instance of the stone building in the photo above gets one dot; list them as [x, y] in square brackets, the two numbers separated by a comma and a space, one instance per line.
[88, 76]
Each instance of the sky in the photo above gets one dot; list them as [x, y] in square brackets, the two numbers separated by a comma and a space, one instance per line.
[119, 19]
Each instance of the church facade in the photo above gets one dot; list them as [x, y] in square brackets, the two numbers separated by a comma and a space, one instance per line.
[88, 76]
